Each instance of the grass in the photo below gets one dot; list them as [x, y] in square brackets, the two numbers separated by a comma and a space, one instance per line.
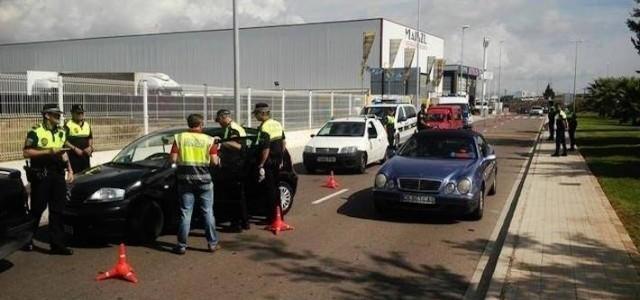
[612, 152]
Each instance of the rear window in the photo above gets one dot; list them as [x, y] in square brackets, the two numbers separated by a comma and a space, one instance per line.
[342, 129]
[378, 111]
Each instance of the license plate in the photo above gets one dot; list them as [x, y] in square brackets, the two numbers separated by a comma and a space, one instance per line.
[419, 199]
[68, 229]
[326, 159]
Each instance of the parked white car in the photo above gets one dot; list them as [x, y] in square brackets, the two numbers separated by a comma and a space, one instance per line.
[405, 114]
[536, 111]
[351, 143]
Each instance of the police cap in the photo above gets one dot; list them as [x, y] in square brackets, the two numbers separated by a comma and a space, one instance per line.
[261, 107]
[51, 108]
[77, 108]
[222, 113]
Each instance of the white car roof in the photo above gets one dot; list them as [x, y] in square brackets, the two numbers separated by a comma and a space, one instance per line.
[350, 119]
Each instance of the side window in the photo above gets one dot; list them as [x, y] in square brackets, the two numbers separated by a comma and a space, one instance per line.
[411, 111]
[371, 130]
[482, 145]
[401, 114]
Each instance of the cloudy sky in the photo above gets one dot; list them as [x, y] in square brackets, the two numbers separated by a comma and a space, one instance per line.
[537, 34]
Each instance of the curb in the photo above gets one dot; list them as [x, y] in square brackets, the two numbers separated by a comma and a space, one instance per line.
[483, 274]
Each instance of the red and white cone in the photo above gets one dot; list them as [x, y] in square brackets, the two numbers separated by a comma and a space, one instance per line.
[121, 270]
[332, 183]
[278, 223]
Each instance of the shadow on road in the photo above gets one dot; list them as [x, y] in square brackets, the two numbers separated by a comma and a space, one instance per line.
[360, 205]
[5, 265]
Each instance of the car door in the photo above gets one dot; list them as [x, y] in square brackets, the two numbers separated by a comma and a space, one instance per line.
[412, 119]
[375, 142]
[488, 166]
[401, 121]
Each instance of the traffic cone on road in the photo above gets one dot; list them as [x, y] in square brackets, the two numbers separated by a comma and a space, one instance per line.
[278, 223]
[121, 270]
[332, 183]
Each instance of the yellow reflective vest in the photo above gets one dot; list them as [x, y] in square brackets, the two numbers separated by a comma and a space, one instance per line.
[193, 157]
[77, 130]
[48, 139]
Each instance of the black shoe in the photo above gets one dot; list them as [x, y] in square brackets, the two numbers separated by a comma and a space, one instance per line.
[28, 247]
[61, 251]
[179, 250]
[555, 154]
[564, 154]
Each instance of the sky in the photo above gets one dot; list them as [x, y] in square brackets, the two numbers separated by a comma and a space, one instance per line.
[537, 35]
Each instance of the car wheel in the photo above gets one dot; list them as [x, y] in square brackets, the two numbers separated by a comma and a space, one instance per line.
[362, 166]
[479, 211]
[147, 222]
[494, 186]
[286, 197]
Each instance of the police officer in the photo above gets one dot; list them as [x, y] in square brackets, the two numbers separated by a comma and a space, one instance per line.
[389, 123]
[561, 125]
[573, 125]
[422, 117]
[46, 173]
[195, 153]
[79, 139]
[233, 148]
[271, 138]
[551, 116]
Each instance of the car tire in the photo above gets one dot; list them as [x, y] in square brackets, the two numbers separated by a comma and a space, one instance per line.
[147, 222]
[362, 165]
[286, 197]
[494, 186]
[479, 211]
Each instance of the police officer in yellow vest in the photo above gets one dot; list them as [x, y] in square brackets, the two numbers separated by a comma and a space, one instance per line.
[271, 138]
[79, 139]
[46, 173]
[232, 150]
[389, 123]
[195, 153]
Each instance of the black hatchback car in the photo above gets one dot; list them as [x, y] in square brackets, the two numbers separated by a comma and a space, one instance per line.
[135, 194]
[16, 225]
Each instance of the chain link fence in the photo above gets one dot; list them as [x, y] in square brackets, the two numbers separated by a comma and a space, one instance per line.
[116, 109]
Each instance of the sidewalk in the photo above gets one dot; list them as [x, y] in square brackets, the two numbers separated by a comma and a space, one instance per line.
[565, 240]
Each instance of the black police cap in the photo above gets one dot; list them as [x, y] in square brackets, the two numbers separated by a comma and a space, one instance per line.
[51, 108]
[261, 107]
[223, 112]
[77, 108]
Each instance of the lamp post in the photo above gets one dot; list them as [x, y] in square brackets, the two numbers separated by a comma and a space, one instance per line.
[500, 70]
[419, 35]
[575, 73]
[485, 44]
[236, 62]
[464, 27]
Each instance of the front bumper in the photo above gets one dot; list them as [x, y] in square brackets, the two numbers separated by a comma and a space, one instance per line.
[343, 160]
[105, 219]
[444, 204]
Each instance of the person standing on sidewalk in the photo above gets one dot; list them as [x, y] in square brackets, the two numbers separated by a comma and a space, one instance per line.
[195, 153]
[233, 148]
[561, 125]
[573, 125]
[551, 116]
[46, 173]
[79, 139]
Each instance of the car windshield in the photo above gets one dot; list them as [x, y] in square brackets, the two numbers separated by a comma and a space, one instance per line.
[436, 117]
[149, 151]
[342, 129]
[378, 111]
[439, 147]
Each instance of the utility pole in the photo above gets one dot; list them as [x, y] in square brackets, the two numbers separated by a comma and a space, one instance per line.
[419, 35]
[236, 62]
[500, 70]
[575, 73]
[464, 27]
[485, 44]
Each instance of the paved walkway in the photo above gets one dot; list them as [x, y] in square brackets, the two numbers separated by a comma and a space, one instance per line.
[565, 240]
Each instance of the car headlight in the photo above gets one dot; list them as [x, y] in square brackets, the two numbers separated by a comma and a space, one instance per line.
[380, 181]
[450, 188]
[308, 149]
[464, 186]
[350, 149]
[107, 195]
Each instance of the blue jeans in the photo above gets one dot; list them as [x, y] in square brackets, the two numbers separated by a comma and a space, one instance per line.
[188, 196]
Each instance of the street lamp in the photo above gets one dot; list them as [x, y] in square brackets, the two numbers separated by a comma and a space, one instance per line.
[575, 74]
[500, 69]
[236, 62]
[464, 27]
[485, 44]
[418, 58]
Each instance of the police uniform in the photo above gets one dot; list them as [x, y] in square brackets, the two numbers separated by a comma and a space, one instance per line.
[573, 125]
[271, 135]
[233, 168]
[46, 173]
[78, 135]
[195, 184]
[551, 115]
[422, 119]
[560, 119]
[390, 126]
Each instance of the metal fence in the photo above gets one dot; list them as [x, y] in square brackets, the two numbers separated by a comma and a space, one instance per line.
[116, 109]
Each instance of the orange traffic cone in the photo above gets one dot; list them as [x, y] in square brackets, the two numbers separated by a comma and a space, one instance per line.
[331, 182]
[121, 270]
[278, 223]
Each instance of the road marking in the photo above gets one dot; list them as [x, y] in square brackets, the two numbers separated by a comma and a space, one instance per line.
[518, 117]
[325, 198]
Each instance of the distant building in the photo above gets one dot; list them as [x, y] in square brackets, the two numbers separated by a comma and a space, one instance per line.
[460, 80]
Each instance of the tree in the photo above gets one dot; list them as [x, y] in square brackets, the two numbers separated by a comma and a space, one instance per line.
[549, 94]
[634, 25]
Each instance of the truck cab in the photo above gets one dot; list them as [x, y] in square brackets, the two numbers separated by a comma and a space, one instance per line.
[445, 117]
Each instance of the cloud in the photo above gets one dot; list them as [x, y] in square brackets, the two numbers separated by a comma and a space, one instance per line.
[537, 34]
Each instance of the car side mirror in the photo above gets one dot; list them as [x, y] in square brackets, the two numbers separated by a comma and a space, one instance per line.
[373, 136]
[490, 157]
[312, 135]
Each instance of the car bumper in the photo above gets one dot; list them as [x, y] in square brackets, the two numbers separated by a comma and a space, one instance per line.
[96, 219]
[444, 204]
[346, 160]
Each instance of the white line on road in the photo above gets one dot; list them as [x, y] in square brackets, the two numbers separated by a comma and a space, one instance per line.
[518, 117]
[325, 198]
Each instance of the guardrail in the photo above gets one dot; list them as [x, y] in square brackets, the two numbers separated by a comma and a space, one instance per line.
[119, 111]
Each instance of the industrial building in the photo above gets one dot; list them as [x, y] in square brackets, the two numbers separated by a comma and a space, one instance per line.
[459, 80]
[350, 55]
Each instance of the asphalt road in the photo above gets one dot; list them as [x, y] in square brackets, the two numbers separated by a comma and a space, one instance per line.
[340, 248]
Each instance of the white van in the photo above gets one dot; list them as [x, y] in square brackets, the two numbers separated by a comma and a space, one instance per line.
[405, 114]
